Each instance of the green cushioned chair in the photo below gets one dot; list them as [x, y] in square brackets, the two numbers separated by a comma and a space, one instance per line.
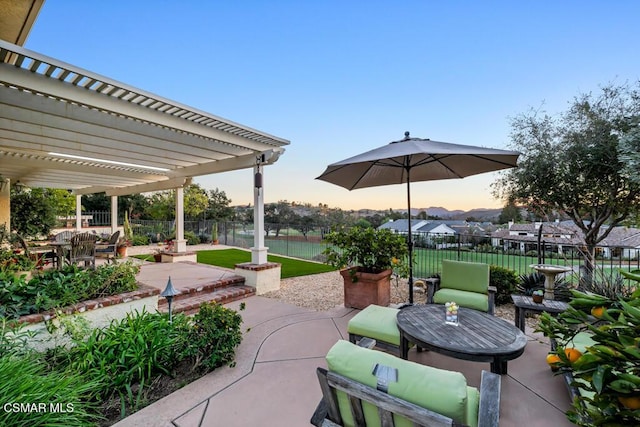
[354, 395]
[378, 323]
[466, 283]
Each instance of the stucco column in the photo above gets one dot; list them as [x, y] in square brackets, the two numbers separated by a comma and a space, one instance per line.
[5, 203]
[114, 214]
[78, 212]
[180, 244]
[258, 251]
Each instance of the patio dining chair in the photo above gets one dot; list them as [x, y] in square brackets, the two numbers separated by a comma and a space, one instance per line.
[83, 248]
[109, 250]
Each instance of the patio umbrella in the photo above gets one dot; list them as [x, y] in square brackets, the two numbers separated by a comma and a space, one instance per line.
[412, 160]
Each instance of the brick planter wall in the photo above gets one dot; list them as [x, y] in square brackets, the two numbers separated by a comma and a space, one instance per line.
[98, 312]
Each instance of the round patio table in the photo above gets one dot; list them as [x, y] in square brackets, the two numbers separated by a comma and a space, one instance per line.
[479, 337]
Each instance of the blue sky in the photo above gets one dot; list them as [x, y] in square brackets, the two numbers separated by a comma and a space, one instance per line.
[338, 78]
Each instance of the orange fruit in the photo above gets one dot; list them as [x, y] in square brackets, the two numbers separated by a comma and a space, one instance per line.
[630, 402]
[553, 360]
[597, 312]
[572, 354]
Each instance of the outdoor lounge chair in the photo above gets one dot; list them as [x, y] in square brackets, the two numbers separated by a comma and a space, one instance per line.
[110, 250]
[466, 283]
[366, 387]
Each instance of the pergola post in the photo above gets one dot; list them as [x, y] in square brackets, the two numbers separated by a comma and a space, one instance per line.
[78, 212]
[114, 214]
[259, 273]
[5, 203]
[180, 244]
[258, 251]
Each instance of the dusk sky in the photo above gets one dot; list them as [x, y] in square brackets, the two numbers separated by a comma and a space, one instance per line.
[338, 78]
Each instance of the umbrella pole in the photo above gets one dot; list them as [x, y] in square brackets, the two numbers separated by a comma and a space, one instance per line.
[410, 241]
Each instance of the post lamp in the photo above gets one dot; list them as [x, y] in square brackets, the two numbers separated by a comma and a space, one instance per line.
[169, 292]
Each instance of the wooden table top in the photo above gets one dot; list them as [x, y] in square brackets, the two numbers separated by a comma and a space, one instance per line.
[548, 305]
[477, 336]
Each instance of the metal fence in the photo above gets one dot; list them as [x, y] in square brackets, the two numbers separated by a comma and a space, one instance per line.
[430, 248]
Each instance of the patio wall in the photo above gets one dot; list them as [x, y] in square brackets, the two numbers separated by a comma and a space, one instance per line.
[99, 313]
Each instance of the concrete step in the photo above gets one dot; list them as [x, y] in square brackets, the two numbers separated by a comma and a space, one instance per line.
[221, 291]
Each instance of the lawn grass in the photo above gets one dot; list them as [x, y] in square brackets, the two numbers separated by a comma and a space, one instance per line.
[228, 258]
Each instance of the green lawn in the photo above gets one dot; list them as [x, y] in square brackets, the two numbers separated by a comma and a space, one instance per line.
[290, 267]
[228, 258]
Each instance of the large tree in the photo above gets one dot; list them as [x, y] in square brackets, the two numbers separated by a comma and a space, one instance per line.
[218, 206]
[32, 213]
[571, 163]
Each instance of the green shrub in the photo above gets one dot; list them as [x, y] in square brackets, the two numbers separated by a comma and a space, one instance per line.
[214, 336]
[191, 238]
[133, 350]
[139, 240]
[27, 380]
[60, 288]
[505, 281]
[527, 283]
[13, 338]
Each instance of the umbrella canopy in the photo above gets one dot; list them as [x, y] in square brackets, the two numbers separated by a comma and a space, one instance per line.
[413, 160]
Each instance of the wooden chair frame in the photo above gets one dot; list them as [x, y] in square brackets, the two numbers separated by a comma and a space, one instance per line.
[327, 413]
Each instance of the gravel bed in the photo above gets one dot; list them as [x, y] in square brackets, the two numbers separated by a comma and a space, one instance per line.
[322, 292]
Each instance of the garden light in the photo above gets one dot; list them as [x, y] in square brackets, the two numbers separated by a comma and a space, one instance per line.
[169, 292]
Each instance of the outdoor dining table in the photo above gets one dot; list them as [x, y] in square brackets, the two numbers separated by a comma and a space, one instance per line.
[478, 337]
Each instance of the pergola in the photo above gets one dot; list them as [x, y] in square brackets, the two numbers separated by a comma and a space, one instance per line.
[62, 126]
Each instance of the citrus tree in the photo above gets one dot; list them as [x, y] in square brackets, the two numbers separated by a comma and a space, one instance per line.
[608, 371]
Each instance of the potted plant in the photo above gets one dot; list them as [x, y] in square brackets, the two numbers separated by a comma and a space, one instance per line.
[121, 247]
[367, 257]
[214, 233]
[538, 296]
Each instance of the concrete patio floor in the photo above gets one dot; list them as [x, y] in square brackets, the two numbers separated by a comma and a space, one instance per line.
[274, 381]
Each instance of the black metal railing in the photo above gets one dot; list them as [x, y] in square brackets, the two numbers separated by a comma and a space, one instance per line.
[430, 248]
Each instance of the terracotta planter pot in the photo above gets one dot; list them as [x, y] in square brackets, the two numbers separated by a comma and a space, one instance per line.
[368, 289]
[157, 257]
[122, 251]
[537, 298]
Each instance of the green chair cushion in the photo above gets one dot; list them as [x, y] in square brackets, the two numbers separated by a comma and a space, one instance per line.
[441, 391]
[376, 322]
[466, 276]
[473, 406]
[462, 298]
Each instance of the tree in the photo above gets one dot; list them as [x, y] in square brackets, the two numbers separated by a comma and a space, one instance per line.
[304, 224]
[32, 215]
[97, 202]
[195, 201]
[571, 163]
[134, 204]
[510, 212]
[161, 206]
[218, 206]
[278, 215]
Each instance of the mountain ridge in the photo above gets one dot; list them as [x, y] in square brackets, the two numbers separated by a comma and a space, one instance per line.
[480, 214]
